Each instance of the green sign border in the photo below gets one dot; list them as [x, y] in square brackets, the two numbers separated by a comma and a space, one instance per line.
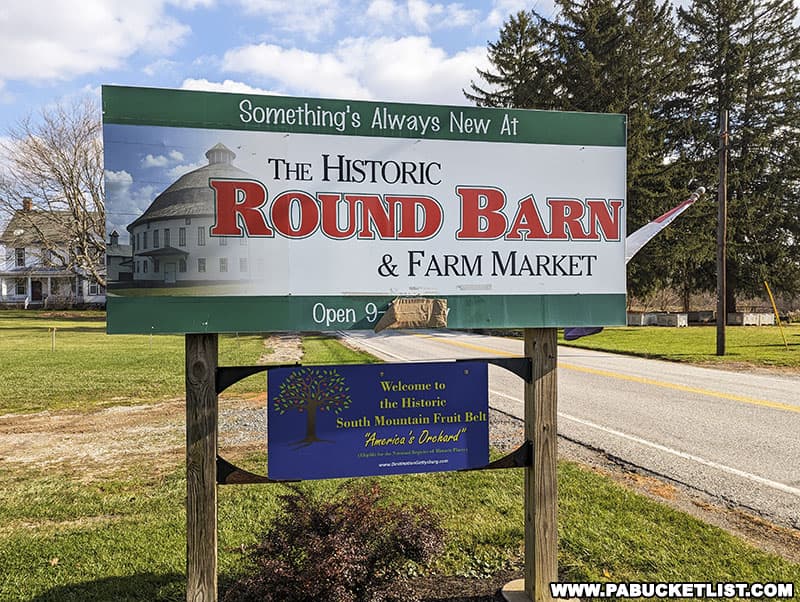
[162, 315]
[143, 313]
[220, 110]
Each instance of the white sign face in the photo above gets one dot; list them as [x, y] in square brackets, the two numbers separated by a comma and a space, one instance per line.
[466, 203]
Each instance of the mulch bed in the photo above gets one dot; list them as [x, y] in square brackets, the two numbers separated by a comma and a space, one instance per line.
[462, 589]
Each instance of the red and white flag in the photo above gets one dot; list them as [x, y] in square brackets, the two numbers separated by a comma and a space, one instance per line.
[633, 245]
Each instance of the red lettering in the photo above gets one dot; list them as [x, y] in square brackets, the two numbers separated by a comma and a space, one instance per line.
[528, 220]
[239, 198]
[481, 213]
[565, 219]
[330, 216]
[282, 214]
[375, 212]
[606, 216]
[420, 216]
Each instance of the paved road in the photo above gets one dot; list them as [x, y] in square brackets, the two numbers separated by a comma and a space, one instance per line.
[734, 435]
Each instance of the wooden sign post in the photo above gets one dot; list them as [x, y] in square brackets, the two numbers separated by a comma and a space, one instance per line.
[541, 533]
[201, 468]
[541, 500]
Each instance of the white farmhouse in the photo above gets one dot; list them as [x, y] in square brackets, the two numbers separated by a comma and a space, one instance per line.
[39, 267]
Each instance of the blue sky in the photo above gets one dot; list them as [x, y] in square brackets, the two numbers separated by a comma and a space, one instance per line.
[404, 50]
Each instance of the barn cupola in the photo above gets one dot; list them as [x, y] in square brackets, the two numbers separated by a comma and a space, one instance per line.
[220, 154]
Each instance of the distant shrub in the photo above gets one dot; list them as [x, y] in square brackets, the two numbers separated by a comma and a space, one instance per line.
[348, 548]
[792, 316]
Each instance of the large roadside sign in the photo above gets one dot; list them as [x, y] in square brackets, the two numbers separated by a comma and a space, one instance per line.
[247, 213]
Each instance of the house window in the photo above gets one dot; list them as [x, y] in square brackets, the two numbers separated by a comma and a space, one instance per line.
[166, 237]
[243, 264]
[223, 264]
[188, 221]
[138, 241]
[201, 264]
[156, 265]
[133, 243]
[137, 267]
[144, 239]
[201, 237]
[94, 289]
[144, 266]
[21, 288]
[156, 239]
[181, 237]
[20, 257]
[223, 242]
[182, 266]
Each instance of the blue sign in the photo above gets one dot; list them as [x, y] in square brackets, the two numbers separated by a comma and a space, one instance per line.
[376, 419]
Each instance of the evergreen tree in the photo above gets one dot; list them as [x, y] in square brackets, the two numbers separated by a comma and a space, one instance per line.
[522, 76]
[625, 56]
[618, 56]
[744, 56]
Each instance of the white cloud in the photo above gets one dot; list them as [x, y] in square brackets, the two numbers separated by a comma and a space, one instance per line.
[155, 161]
[503, 9]
[421, 12]
[58, 40]
[418, 16]
[127, 200]
[405, 69]
[7, 146]
[192, 4]
[308, 17]
[5, 96]
[172, 157]
[297, 70]
[226, 86]
[383, 11]
[179, 170]
[458, 16]
[160, 66]
[117, 181]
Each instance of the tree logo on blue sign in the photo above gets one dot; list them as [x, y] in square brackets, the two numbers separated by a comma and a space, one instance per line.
[312, 390]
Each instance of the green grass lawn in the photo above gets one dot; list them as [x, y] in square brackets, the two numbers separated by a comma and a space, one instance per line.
[755, 345]
[120, 536]
[123, 538]
[90, 369]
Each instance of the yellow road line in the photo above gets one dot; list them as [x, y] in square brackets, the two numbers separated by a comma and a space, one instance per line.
[467, 345]
[775, 405]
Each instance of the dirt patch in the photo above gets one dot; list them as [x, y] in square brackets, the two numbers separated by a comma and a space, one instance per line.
[93, 443]
[731, 366]
[282, 348]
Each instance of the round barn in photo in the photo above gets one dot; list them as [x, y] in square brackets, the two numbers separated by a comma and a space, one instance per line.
[170, 240]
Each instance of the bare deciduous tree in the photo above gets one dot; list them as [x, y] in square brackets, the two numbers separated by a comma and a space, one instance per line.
[55, 159]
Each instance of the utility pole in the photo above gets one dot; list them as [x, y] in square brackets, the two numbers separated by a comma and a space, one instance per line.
[722, 228]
